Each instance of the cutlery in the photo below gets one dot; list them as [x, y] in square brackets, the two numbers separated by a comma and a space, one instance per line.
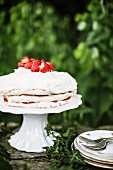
[97, 144]
[100, 146]
[93, 141]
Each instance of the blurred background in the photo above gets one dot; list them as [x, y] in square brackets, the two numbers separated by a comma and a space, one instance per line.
[77, 36]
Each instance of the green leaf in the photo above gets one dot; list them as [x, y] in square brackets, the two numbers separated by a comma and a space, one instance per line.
[82, 25]
[79, 51]
[95, 53]
[4, 158]
[105, 101]
[3, 152]
[4, 164]
[95, 25]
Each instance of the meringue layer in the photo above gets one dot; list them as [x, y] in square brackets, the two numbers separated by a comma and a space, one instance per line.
[23, 81]
[24, 88]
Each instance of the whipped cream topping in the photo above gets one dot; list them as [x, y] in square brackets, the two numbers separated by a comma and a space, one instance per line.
[24, 88]
[23, 81]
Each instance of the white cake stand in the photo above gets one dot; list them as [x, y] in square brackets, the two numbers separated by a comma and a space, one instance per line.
[32, 136]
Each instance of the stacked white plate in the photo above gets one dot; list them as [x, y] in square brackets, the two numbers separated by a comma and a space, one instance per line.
[100, 158]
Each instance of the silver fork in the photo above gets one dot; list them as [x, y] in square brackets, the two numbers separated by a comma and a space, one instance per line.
[98, 144]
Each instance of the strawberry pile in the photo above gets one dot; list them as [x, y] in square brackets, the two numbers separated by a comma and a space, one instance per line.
[36, 65]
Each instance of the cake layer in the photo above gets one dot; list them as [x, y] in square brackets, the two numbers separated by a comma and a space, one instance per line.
[49, 104]
[36, 99]
[18, 92]
[23, 81]
[74, 102]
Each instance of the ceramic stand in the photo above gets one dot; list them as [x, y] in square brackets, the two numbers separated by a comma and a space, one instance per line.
[32, 136]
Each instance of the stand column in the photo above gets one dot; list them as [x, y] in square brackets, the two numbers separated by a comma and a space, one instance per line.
[32, 136]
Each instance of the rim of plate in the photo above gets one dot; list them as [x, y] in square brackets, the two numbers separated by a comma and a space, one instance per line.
[98, 164]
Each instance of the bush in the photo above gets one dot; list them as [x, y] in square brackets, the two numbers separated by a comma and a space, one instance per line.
[95, 56]
[34, 30]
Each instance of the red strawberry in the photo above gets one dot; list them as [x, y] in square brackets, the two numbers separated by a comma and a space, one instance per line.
[55, 101]
[5, 99]
[35, 69]
[51, 66]
[35, 66]
[68, 98]
[32, 59]
[20, 64]
[25, 59]
[28, 102]
[44, 67]
[28, 65]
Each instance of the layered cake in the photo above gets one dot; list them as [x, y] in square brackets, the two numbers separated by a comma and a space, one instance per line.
[35, 84]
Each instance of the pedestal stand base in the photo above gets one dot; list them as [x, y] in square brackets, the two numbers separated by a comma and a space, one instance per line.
[32, 136]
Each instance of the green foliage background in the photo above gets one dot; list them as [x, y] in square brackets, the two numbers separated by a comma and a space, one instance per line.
[84, 49]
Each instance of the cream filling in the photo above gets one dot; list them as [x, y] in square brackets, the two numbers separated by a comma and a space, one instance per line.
[38, 101]
[39, 105]
[30, 98]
